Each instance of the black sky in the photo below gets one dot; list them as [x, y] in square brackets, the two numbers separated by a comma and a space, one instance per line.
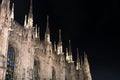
[92, 26]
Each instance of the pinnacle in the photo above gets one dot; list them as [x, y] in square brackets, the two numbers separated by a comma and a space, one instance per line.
[77, 53]
[70, 46]
[47, 25]
[30, 9]
[60, 35]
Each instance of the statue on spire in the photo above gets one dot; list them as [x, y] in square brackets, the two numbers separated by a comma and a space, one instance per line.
[12, 12]
[30, 15]
[25, 21]
[36, 32]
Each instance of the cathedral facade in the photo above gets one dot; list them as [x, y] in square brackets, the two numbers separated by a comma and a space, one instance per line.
[23, 56]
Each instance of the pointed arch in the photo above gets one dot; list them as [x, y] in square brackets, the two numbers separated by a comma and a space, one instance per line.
[36, 69]
[10, 63]
[53, 74]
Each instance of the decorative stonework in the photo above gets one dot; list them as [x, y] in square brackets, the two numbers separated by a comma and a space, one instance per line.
[36, 59]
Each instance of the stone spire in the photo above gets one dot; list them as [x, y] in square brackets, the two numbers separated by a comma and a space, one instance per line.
[5, 9]
[47, 26]
[8, 6]
[47, 33]
[59, 46]
[77, 61]
[86, 60]
[30, 15]
[86, 68]
[70, 53]
[5, 4]
[12, 12]
[81, 61]
[60, 40]
[30, 9]
[67, 56]
[81, 68]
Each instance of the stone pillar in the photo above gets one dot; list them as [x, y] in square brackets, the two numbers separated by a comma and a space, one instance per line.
[3, 52]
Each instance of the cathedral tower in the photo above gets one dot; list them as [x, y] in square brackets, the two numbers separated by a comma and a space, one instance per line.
[33, 58]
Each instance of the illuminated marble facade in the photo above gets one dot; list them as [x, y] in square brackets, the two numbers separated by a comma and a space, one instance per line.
[28, 58]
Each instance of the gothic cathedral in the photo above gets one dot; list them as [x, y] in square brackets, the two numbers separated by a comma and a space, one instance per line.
[23, 56]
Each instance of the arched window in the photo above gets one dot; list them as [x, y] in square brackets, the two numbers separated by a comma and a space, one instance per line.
[10, 63]
[53, 74]
[36, 69]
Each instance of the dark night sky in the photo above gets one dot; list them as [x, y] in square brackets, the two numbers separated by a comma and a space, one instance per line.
[91, 25]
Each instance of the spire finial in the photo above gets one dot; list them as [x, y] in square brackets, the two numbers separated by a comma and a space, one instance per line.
[66, 50]
[70, 47]
[30, 16]
[81, 63]
[77, 55]
[85, 55]
[60, 35]
[47, 25]
[30, 10]
[85, 58]
[12, 12]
